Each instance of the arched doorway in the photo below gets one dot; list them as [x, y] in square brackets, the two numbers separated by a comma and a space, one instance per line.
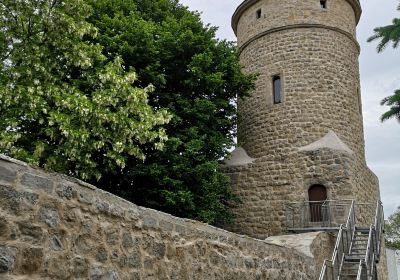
[317, 195]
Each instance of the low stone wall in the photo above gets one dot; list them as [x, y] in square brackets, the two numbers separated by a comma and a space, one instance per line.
[55, 227]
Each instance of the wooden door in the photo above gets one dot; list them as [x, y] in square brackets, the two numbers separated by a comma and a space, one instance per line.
[317, 195]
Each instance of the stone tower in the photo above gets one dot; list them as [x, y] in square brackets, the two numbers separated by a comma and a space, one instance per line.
[302, 127]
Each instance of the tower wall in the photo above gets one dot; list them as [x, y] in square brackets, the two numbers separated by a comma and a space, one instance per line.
[315, 52]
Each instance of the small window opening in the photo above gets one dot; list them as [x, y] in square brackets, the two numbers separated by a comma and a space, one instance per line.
[277, 85]
[323, 4]
[258, 14]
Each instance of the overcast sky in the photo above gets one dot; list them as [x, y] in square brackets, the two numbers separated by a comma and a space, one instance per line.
[380, 76]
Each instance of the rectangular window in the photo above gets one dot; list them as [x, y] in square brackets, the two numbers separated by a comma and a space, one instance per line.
[258, 14]
[277, 87]
[323, 4]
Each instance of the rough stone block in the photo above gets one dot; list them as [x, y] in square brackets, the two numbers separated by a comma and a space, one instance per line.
[30, 231]
[7, 175]
[55, 267]
[134, 276]
[84, 244]
[49, 216]
[149, 221]
[112, 236]
[102, 206]
[85, 197]
[7, 258]
[96, 273]
[55, 243]
[4, 227]
[166, 226]
[65, 191]
[135, 259]
[102, 255]
[10, 200]
[127, 241]
[112, 275]
[30, 260]
[80, 267]
[158, 250]
[39, 182]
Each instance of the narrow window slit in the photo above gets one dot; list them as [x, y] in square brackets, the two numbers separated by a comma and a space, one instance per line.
[258, 14]
[323, 4]
[277, 87]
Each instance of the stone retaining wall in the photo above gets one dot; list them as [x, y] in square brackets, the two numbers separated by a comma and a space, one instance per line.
[55, 227]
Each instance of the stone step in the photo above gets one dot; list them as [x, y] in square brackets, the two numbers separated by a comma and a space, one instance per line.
[358, 249]
[359, 245]
[362, 229]
[355, 258]
[349, 271]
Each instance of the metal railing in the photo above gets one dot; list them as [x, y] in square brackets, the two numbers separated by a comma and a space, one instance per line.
[331, 269]
[362, 271]
[317, 214]
[379, 227]
[367, 269]
[341, 214]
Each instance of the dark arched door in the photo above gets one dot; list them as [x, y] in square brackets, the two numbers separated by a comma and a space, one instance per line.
[316, 195]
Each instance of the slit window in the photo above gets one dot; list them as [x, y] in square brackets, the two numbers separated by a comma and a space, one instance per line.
[323, 4]
[258, 14]
[277, 88]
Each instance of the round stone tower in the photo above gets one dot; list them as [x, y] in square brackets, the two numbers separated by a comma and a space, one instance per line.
[301, 131]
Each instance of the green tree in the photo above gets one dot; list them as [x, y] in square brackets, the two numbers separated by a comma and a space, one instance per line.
[392, 230]
[63, 104]
[197, 78]
[389, 34]
[394, 102]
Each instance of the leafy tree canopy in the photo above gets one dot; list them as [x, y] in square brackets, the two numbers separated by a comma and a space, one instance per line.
[197, 78]
[67, 100]
[389, 34]
[63, 104]
[392, 230]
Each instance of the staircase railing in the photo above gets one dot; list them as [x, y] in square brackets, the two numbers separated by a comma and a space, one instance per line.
[331, 269]
[362, 271]
[379, 227]
[306, 215]
[367, 268]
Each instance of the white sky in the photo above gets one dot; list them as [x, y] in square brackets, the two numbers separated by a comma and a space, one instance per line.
[379, 78]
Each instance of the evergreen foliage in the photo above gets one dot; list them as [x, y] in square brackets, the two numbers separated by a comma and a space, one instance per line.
[392, 230]
[394, 102]
[389, 34]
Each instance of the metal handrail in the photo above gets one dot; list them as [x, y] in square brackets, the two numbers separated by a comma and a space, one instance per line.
[369, 255]
[327, 214]
[367, 268]
[379, 225]
[324, 268]
[362, 271]
[342, 247]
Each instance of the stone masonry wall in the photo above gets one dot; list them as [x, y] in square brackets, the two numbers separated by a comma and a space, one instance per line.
[278, 13]
[315, 52]
[54, 227]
